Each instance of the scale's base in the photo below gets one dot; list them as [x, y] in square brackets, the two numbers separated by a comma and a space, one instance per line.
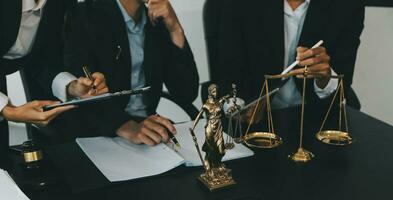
[301, 155]
[262, 140]
[337, 138]
[219, 178]
[238, 140]
[229, 145]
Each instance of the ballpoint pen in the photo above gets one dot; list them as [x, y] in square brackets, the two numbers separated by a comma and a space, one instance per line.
[89, 76]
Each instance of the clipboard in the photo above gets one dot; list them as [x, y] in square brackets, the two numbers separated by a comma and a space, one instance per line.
[102, 97]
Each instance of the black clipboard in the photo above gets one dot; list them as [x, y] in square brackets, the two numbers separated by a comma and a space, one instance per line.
[102, 97]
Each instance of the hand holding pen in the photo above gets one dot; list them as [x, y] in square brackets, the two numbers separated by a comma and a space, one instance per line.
[317, 61]
[91, 85]
[152, 131]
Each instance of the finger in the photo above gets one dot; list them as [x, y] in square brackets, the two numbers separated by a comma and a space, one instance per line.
[54, 112]
[322, 69]
[102, 91]
[85, 81]
[301, 50]
[99, 79]
[98, 75]
[166, 123]
[146, 140]
[299, 71]
[150, 14]
[40, 104]
[310, 61]
[158, 129]
[310, 53]
[152, 134]
[101, 86]
[93, 92]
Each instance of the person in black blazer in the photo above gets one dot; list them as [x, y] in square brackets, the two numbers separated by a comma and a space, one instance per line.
[31, 40]
[254, 42]
[99, 36]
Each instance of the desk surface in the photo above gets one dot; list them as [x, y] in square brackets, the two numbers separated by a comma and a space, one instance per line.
[363, 170]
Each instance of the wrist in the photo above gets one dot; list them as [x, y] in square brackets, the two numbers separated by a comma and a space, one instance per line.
[176, 29]
[178, 37]
[70, 88]
[9, 112]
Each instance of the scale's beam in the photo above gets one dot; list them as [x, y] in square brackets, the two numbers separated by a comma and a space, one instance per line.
[310, 75]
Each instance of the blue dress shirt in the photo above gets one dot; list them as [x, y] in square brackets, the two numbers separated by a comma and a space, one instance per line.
[136, 39]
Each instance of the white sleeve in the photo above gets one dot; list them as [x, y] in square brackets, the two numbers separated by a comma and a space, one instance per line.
[3, 102]
[59, 85]
[329, 89]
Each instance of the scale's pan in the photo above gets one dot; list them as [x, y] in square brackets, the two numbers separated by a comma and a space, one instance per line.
[337, 138]
[262, 140]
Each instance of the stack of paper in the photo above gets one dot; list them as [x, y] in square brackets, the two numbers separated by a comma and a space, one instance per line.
[120, 160]
[189, 152]
[8, 188]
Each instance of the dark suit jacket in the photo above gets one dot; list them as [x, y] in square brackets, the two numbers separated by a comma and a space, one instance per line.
[45, 59]
[252, 41]
[96, 29]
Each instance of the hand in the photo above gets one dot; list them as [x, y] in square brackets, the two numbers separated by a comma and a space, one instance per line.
[318, 62]
[32, 112]
[162, 9]
[151, 131]
[83, 87]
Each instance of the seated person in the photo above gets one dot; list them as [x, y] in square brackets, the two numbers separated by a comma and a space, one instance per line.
[36, 48]
[134, 45]
[258, 38]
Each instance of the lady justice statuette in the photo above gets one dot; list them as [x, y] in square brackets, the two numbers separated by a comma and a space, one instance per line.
[216, 175]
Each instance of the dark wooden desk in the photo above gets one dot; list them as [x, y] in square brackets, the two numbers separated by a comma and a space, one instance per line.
[363, 170]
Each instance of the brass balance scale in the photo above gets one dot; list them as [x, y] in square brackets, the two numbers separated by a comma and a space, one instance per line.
[270, 139]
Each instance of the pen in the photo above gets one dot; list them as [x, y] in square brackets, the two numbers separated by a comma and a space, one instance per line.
[118, 52]
[290, 67]
[171, 136]
[88, 75]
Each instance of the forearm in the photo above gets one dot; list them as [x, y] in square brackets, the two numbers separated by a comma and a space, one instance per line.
[178, 38]
[181, 68]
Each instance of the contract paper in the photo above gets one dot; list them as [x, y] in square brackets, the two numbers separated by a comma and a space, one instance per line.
[120, 160]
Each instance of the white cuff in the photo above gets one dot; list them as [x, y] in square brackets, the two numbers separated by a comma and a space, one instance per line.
[329, 89]
[3, 103]
[59, 85]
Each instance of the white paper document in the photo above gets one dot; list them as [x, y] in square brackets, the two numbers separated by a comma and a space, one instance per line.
[120, 160]
[188, 149]
[8, 188]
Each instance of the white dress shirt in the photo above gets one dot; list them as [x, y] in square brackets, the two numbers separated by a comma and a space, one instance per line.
[30, 21]
[288, 94]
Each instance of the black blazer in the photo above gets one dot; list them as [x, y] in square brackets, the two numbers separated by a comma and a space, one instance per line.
[45, 59]
[95, 35]
[252, 41]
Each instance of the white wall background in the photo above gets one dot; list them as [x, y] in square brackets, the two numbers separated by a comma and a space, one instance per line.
[373, 79]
